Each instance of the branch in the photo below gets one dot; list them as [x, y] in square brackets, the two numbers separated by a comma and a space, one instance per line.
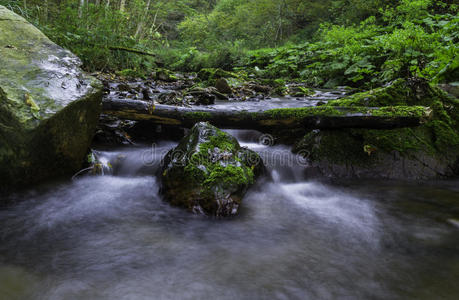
[116, 48]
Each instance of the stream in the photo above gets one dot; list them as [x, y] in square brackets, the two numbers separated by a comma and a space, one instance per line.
[112, 237]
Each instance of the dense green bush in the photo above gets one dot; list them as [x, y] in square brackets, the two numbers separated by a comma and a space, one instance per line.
[323, 43]
[411, 42]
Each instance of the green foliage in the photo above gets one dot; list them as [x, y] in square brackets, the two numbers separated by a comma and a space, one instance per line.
[369, 54]
[361, 43]
[90, 31]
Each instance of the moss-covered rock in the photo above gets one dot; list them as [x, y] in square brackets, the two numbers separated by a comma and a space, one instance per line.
[48, 107]
[427, 151]
[296, 90]
[398, 93]
[164, 75]
[208, 172]
[222, 86]
[211, 74]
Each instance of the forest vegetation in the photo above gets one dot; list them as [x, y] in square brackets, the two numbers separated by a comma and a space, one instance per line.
[323, 43]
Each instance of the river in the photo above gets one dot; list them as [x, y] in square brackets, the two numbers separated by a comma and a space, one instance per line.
[112, 237]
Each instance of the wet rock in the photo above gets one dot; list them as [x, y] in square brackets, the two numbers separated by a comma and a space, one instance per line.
[209, 172]
[222, 86]
[112, 131]
[170, 98]
[124, 87]
[48, 107]
[428, 151]
[164, 75]
[217, 94]
[454, 222]
[451, 88]
[101, 165]
[258, 88]
[202, 96]
[146, 94]
[17, 282]
[209, 74]
[299, 91]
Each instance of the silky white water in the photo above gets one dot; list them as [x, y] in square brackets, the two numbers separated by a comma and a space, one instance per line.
[112, 237]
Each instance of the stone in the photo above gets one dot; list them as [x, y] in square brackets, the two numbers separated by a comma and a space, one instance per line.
[49, 107]
[209, 172]
[222, 86]
[428, 151]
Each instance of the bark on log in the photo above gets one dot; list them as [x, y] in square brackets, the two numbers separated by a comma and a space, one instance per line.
[321, 117]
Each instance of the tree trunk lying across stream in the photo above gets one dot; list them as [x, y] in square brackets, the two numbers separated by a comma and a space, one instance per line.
[319, 117]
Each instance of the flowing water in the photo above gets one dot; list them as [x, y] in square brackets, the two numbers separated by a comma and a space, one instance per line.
[112, 237]
[319, 96]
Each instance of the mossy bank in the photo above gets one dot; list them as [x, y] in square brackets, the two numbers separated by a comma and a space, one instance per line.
[430, 150]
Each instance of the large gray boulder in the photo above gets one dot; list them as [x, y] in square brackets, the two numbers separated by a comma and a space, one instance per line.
[48, 107]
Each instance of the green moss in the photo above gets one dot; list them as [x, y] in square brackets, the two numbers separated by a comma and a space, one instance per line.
[329, 145]
[444, 135]
[132, 73]
[203, 170]
[196, 174]
[209, 169]
[198, 116]
[402, 140]
[221, 140]
[208, 74]
[279, 86]
[229, 175]
[351, 146]
[401, 111]
[164, 75]
[288, 113]
[330, 111]
[398, 93]
[300, 91]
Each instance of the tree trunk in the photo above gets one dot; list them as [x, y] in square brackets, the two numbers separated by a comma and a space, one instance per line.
[122, 5]
[80, 8]
[141, 22]
[45, 11]
[307, 118]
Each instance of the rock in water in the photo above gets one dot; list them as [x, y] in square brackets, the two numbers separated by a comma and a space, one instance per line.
[222, 86]
[209, 172]
[48, 107]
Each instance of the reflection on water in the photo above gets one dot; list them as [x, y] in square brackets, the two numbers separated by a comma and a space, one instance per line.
[112, 237]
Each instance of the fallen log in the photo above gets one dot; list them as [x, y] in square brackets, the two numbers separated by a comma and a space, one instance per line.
[320, 117]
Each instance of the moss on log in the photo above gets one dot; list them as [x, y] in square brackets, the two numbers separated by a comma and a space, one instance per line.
[324, 117]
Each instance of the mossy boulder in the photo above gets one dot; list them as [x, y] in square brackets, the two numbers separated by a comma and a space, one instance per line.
[222, 86]
[48, 107]
[208, 74]
[427, 151]
[209, 172]
[164, 75]
[299, 91]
